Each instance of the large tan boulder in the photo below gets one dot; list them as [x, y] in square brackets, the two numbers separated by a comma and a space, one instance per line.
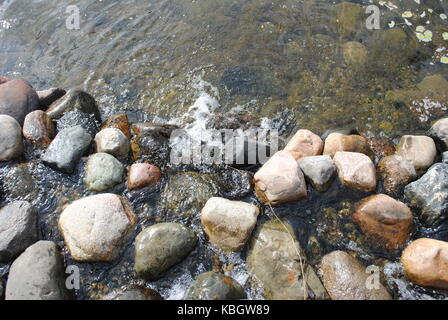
[356, 170]
[336, 142]
[419, 150]
[305, 144]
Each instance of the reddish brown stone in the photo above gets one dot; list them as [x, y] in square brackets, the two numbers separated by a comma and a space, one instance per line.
[336, 142]
[305, 144]
[39, 128]
[381, 146]
[143, 175]
[396, 173]
[119, 121]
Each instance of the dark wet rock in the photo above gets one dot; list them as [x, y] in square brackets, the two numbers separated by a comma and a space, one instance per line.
[39, 128]
[235, 183]
[67, 148]
[112, 141]
[74, 99]
[355, 54]
[160, 247]
[17, 99]
[119, 121]
[151, 144]
[133, 293]
[350, 143]
[396, 173]
[228, 224]
[38, 274]
[319, 171]
[214, 286]
[419, 150]
[18, 229]
[164, 130]
[381, 147]
[356, 170]
[386, 222]
[11, 144]
[275, 260]
[103, 172]
[96, 228]
[428, 196]
[47, 97]
[439, 132]
[19, 183]
[142, 175]
[78, 118]
[345, 278]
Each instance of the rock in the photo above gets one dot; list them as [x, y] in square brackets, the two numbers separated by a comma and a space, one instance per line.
[133, 293]
[428, 196]
[38, 274]
[39, 128]
[228, 224]
[280, 180]
[351, 143]
[112, 141]
[160, 247]
[143, 175]
[345, 278]
[425, 263]
[355, 54]
[214, 286]
[96, 228]
[119, 121]
[420, 150]
[78, 118]
[439, 132]
[103, 172]
[396, 173]
[161, 129]
[319, 171]
[151, 145]
[17, 99]
[18, 229]
[274, 259]
[67, 148]
[11, 145]
[386, 222]
[47, 97]
[305, 144]
[381, 147]
[445, 157]
[74, 99]
[349, 18]
[356, 170]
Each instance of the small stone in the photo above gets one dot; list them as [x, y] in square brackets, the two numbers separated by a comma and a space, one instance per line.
[18, 229]
[356, 170]
[420, 150]
[134, 293]
[428, 196]
[439, 132]
[39, 128]
[345, 278]
[103, 172]
[11, 145]
[47, 97]
[305, 144]
[38, 274]
[336, 142]
[74, 99]
[386, 222]
[96, 228]
[280, 180]
[112, 141]
[228, 224]
[425, 263]
[381, 147]
[151, 144]
[355, 53]
[214, 286]
[67, 149]
[160, 247]
[17, 99]
[319, 171]
[396, 173]
[119, 121]
[143, 175]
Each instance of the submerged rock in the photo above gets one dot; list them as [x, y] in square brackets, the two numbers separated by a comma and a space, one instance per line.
[305, 144]
[119, 121]
[67, 148]
[439, 132]
[151, 145]
[280, 180]
[348, 18]
[396, 173]
[386, 222]
[336, 142]
[228, 224]
[160, 247]
[425, 263]
[355, 54]
[277, 260]
[214, 286]
[345, 278]
[38, 274]
[95, 228]
[112, 141]
[47, 97]
[11, 145]
[103, 172]
[428, 196]
[356, 170]
[75, 118]
[39, 128]
[74, 99]
[419, 150]
[17, 99]
[319, 171]
[18, 229]
[133, 293]
[143, 175]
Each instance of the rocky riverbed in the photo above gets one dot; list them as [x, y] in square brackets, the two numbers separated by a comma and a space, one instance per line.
[337, 216]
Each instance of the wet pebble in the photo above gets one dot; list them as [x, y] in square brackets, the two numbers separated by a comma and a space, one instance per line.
[11, 144]
[17, 98]
[74, 99]
[39, 128]
[305, 144]
[419, 150]
[112, 141]
[214, 286]
[319, 171]
[356, 170]
[48, 96]
[396, 173]
[103, 172]
[143, 175]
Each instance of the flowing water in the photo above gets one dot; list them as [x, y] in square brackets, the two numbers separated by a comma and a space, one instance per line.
[207, 63]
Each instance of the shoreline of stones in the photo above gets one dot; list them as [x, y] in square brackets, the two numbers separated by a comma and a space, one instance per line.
[95, 228]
